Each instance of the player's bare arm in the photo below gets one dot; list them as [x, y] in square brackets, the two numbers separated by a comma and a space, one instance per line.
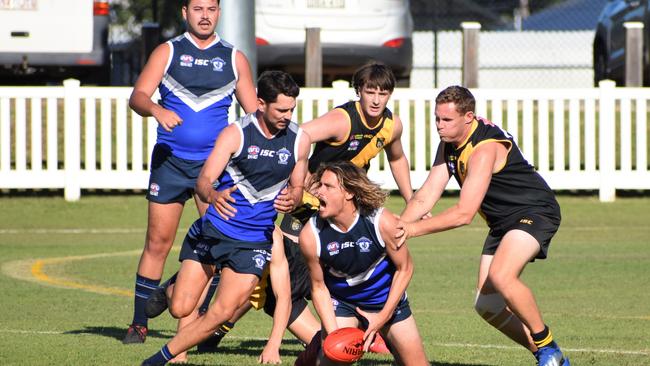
[320, 295]
[333, 127]
[148, 81]
[245, 90]
[480, 167]
[291, 196]
[227, 144]
[279, 275]
[426, 197]
[403, 262]
[399, 164]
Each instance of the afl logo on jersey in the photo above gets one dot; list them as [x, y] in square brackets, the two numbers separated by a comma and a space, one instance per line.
[187, 60]
[380, 142]
[364, 244]
[253, 152]
[452, 167]
[451, 163]
[333, 248]
[354, 145]
[217, 64]
[154, 189]
[283, 156]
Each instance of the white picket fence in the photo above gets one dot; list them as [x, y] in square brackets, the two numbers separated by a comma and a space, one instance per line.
[76, 138]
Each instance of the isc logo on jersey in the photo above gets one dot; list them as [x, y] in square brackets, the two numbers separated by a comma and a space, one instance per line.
[254, 152]
[217, 62]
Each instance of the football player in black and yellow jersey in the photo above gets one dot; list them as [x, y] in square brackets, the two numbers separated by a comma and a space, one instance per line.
[517, 204]
[357, 131]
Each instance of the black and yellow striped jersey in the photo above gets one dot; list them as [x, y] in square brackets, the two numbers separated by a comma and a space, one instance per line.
[362, 143]
[514, 188]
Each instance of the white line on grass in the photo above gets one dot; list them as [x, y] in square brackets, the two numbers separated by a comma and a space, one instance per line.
[435, 344]
[142, 230]
[74, 231]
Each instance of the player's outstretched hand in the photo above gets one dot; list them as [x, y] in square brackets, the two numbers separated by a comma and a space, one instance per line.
[270, 356]
[166, 118]
[220, 200]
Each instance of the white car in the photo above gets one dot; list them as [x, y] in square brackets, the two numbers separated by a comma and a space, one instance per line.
[55, 38]
[351, 33]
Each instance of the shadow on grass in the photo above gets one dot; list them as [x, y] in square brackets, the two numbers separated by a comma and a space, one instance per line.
[253, 348]
[250, 348]
[118, 333]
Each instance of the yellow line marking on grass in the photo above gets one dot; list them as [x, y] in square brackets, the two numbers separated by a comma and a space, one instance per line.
[37, 272]
[34, 270]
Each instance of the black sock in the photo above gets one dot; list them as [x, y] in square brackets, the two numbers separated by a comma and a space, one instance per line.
[160, 358]
[543, 338]
[211, 291]
[143, 288]
[225, 328]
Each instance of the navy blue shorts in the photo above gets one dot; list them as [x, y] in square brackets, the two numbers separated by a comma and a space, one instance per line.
[172, 179]
[207, 245]
[347, 310]
[541, 226]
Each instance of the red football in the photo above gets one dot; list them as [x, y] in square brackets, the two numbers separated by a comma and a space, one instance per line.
[344, 345]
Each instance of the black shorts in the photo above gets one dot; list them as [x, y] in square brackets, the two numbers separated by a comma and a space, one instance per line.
[172, 179]
[207, 245]
[344, 309]
[300, 282]
[541, 226]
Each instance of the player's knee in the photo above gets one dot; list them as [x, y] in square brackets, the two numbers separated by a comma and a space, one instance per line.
[158, 247]
[489, 306]
[180, 308]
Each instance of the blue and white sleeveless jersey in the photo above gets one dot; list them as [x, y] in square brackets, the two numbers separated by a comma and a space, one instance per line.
[355, 264]
[260, 169]
[198, 85]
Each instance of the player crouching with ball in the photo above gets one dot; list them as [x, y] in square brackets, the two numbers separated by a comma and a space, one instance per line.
[357, 279]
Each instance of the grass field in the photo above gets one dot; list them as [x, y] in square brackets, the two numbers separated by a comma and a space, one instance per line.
[68, 271]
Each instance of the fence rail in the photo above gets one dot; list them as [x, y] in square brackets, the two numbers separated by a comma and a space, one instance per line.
[76, 138]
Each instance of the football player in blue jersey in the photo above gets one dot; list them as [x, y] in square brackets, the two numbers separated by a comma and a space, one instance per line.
[358, 276]
[517, 204]
[252, 161]
[197, 74]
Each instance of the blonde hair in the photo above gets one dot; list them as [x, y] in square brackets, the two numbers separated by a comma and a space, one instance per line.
[368, 196]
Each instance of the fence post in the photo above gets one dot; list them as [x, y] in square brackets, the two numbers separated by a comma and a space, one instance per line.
[607, 141]
[633, 53]
[72, 139]
[313, 59]
[470, 53]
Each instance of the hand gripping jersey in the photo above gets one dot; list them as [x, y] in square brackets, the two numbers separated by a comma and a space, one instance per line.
[198, 85]
[260, 169]
[355, 264]
[362, 144]
[515, 188]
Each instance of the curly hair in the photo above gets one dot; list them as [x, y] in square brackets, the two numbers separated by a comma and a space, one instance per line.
[368, 196]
